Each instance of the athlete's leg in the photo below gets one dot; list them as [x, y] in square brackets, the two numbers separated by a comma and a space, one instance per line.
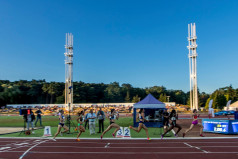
[138, 129]
[191, 127]
[58, 131]
[170, 128]
[179, 128]
[146, 130]
[108, 128]
[65, 129]
[201, 128]
[117, 128]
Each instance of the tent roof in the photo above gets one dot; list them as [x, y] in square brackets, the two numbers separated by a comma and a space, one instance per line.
[234, 104]
[149, 99]
[149, 102]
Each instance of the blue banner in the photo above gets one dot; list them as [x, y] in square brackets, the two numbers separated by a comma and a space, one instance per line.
[220, 126]
[235, 126]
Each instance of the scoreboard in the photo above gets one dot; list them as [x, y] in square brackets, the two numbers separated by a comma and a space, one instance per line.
[220, 126]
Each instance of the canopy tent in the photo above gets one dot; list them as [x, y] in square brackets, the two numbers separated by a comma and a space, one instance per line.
[152, 107]
[233, 106]
[149, 102]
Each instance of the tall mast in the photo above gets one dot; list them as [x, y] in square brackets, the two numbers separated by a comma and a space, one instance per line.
[192, 55]
[69, 71]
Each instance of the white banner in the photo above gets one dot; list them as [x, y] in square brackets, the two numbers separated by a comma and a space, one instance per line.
[127, 132]
[47, 131]
[120, 132]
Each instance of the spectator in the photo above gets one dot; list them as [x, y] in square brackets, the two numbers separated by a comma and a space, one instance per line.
[236, 114]
[38, 112]
[91, 120]
[30, 120]
[101, 118]
[86, 121]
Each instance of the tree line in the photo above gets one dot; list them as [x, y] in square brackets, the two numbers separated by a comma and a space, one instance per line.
[42, 92]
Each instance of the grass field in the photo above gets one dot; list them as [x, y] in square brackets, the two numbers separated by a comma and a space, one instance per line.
[17, 121]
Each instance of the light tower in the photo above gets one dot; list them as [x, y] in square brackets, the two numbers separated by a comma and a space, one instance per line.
[69, 72]
[192, 55]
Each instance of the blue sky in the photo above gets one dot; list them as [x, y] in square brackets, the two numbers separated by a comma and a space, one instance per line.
[130, 41]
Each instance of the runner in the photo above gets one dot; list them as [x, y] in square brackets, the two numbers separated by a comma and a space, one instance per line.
[173, 117]
[194, 122]
[141, 117]
[80, 121]
[61, 124]
[166, 119]
[112, 117]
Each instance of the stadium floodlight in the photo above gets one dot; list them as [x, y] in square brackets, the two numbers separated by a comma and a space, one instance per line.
[69, 71]
[192, 47]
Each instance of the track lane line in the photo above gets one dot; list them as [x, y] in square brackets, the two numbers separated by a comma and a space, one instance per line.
[31, 148]
[196, 147]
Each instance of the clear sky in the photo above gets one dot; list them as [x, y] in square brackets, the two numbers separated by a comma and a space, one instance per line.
[141, 42]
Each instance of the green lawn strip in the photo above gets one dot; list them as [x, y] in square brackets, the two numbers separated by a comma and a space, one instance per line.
[17, 121]
[153, 133]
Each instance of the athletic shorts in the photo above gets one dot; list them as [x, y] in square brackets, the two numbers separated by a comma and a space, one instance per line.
[111, 122]
[62, 124]
[141, 122]
[173, 122]
[166, 122]
[195, 122]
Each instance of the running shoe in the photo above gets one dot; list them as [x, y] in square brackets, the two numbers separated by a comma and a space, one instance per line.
[113, 135]
[202, 135]
[175, 135]
[162, 137]
[77, 139]
[148, 139]
[61, 134]
[183, 134]
[101, 137]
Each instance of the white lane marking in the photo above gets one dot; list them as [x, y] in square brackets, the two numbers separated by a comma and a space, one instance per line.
[107, 145]
[188, 144]
[24, 143]
[201, 149]
[166, 142]
[31, 148]
[4, 148]
[114, 147]
[196, 147]
[70, 138]
[127, 152]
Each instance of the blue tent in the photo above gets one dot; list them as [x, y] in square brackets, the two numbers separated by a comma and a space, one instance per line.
[152, 107]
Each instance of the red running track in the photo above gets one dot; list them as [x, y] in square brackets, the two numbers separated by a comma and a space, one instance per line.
[115, 149]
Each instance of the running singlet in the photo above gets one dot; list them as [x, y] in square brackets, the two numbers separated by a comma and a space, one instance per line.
[195, 116]
[140, 118]
[173, 119]
[82, 118]
[113, 117]
[63, 118]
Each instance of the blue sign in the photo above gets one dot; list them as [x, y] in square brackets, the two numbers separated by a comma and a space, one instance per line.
[235, 126]
[220, 126]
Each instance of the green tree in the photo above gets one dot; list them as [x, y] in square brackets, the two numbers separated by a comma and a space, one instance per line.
[135, 99]
[162, 97]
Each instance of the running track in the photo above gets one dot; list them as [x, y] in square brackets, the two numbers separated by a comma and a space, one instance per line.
[115, 149]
